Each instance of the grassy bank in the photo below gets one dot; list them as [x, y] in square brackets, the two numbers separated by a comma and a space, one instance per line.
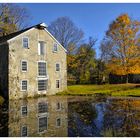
[114, 90]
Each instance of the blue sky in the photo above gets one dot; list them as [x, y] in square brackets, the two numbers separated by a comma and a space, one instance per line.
[92, 18]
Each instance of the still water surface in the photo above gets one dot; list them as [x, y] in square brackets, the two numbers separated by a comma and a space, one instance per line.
[60, 116]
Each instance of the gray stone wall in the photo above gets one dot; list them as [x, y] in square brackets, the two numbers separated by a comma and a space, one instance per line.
[17, 53]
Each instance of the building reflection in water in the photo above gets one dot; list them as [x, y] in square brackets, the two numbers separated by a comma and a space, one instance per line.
[45, 116]
[60, 116]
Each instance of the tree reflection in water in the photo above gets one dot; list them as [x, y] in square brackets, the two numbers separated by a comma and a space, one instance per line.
[60, 116]
[113, 117]
[122, 117]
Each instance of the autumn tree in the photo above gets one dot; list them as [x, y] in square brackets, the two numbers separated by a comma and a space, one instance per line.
[121, 48]
[12, 18]
[84, 62]
[66, 32]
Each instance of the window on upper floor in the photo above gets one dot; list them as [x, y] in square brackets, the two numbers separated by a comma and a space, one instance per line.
[42, 85]
[25, 42]
[24, 110]
[55, 47]
[43, 123]
[24, 131]
[24, 85]
[42, 69]
[24, 66]
[57, 67]
[41, 48]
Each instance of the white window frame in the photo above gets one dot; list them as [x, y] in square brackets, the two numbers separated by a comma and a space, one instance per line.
[53, 47]
[38, 69]
[56, 82]
[21, 110]
[46, 85]
[21, 65]
[39, 52]
[22, 129]
[23, 41]
[59, 67]
[38, 123]
[21, 85]
[60, 122]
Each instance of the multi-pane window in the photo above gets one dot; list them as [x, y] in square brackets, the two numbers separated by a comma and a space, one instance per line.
[58, 106]
[42, 85]
[24, 66]
[57, 83]
[24, 85]
[42, 107]
[25, 42]
[24, 110]
[57, 67]
[58, 122]
[24, 131]
[42, 69]
[41, 48]
[42, 122]
[55, 47]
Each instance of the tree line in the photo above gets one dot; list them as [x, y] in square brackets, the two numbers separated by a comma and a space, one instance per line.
[120, 48]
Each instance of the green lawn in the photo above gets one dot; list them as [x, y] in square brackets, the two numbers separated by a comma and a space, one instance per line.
[114, 90]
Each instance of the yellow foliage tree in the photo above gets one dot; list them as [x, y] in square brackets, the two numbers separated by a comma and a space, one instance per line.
[123, 51]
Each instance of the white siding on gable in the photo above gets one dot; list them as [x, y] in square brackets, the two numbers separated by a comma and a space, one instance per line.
[41, 48]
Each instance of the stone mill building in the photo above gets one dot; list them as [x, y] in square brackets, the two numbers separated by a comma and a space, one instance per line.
[32, 62]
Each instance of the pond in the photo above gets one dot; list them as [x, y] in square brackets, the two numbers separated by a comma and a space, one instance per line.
[73, 116]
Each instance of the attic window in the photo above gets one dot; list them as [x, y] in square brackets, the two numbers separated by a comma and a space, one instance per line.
[55, 47]
[25, 42]
[41, 48]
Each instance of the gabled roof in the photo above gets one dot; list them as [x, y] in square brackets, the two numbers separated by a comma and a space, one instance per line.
[10, 36]
[13, 35]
